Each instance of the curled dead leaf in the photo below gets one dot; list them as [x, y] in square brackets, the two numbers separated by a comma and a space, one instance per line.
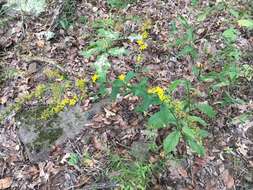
[5, 182]
[228, 179]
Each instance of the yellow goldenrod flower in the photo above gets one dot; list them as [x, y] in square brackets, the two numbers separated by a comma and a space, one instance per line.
[146, 25]
[178, 106]
[73, 100]
[40, 89]
[94, 78]
[159, 92]
[139, 59]
[122, 77]
[140, 42]
[144, 35]
[64, 102]
[80, 83]
[143, 47]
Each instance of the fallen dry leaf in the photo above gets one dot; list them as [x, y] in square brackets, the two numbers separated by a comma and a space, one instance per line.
[228, 179]
[40, 44]
[5, 182]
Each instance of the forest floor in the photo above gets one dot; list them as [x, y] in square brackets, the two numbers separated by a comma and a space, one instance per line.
[110, 149]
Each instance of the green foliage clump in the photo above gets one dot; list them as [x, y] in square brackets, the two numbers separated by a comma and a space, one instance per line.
[119, 3]
[178, 114]
[130, 175]
[68, 14]
[105, 45]
[185, 38]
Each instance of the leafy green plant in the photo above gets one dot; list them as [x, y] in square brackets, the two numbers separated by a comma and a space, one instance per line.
[102, 47]
[248, 23]
[73, 159]
[185, 38]
[177, 114]
[130, 175]
[119, 3]
[7, 74]
[68, 14]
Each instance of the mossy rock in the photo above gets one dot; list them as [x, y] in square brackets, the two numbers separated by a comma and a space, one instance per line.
[39, 135]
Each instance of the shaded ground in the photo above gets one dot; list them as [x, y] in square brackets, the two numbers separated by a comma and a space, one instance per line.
[24, 53]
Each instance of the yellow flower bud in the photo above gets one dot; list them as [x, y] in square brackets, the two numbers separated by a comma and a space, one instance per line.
[122, 77]
[94, 78]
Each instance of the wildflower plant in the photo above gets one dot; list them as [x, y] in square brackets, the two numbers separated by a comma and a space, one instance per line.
[102, 47]
[185, 38]
[141, 39]
[178, 114]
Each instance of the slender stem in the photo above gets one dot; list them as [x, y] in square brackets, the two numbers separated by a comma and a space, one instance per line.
[173, 114]
[188, 96]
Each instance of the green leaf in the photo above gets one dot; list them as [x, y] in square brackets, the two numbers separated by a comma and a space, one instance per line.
[229, 100]
[202, 133]
[117, 84]
[198, 119]
[146, 102]
[183, 21]
[102, 45]
[162, 118]
[171, 141]
[246, 71]
[220, 85]
[194, 2]
[196, 71]
[206, 109]
[174, 84]
[230, 34]
[196, 147]
[155, 121]
[108, 34]
[189, 132]
[73, 159]
[248, 23]
[116, 52]
[234, 13]
[65, 24]
[190, 34]
[129, 76]
[210, 77]
[117, 3]
[173, 27]
[202, 16]
[188, 50]
[241, 119]
[102, 65]
[88, 53]
[104, 23]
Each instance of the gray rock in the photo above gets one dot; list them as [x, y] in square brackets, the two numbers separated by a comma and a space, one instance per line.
[39, 136]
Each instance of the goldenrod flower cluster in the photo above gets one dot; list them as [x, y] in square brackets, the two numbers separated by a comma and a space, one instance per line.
[177, 105]
[159, 92]
[39, 90]
[94, 78]
[59, 107]
[146, 25]
[142, 45]
[144, 35]
[80, 83]
[122, 77]
[139, 59]
[53, 74]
